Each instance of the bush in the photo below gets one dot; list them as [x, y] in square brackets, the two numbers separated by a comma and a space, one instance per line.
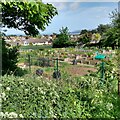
[37, 97]
[9, 59]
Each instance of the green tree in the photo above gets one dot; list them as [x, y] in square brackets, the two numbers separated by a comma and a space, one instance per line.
[83, 31]
[85, 38]
[115, 16]
[27, 16]
[111, 39]
[9, 57]
[112, 35]
[63, 39]
[102, 28]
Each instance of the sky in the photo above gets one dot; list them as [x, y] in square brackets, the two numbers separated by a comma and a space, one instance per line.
[77, 16]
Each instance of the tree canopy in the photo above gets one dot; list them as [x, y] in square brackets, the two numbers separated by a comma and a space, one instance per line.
[63, 39]
[115, 15]
[112, 38]
[27, 16]
[102, 28]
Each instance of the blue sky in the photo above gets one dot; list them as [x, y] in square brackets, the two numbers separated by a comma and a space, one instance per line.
[77, 16]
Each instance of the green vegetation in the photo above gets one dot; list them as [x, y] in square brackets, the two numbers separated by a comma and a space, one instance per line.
[27, 16]
[36, 47]
[72, 96]
[9, 57]
[78, 97]
[63, 39]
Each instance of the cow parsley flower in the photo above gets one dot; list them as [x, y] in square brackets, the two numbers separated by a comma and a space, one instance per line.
[21, 116]
[8, 88]
[12, 115]
[2, 115]
[39, 89]
[6, 114]
[109, 106]
[2, 95]
[34, 114]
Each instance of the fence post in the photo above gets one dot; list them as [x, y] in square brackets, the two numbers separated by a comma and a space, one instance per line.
[29, 61]
[57, 64]
[102, 71]
[119, 87]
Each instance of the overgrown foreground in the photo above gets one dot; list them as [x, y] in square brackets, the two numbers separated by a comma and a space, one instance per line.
[80, 97]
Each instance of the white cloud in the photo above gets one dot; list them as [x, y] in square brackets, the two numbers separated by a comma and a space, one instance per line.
[98, 12]
[74, 5]
[66, 5]
[53, 1]
[60, 6]
[80, 1]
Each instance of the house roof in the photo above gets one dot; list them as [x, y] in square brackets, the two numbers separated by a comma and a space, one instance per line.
[36, 40]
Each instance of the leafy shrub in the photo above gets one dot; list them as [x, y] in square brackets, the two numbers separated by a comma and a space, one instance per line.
[38, 97]
[9, 58]
[63, 39]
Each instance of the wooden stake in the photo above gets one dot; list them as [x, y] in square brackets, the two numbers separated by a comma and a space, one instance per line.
[119, 87]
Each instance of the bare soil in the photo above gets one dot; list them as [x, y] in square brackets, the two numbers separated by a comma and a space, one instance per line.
[79, 70]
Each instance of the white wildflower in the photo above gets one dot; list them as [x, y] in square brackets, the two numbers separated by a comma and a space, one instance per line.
[8, 88]
[21, 116]
[0, 85]
[42, 92]
[2, 115]
[20, 82]
[4, 98]
[41, 76]
[25, 83]
[12, 115]
[6, 114]
[39, 89]
[109, 106]
[112, 77]
[34, 114]
[2, 95]
[47, 79]
[26, 90]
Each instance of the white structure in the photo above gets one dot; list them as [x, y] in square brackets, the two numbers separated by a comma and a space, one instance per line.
[36, 41]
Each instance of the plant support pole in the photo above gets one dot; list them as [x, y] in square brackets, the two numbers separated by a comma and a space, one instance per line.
[57, 64]
[29, 63]
[119, 87]
[102, 71]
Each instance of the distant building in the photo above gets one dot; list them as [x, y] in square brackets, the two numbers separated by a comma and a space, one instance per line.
[36, 41]
[29, 41]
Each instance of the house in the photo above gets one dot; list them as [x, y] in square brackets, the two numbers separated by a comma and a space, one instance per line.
[29, 40]
[37, 41]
